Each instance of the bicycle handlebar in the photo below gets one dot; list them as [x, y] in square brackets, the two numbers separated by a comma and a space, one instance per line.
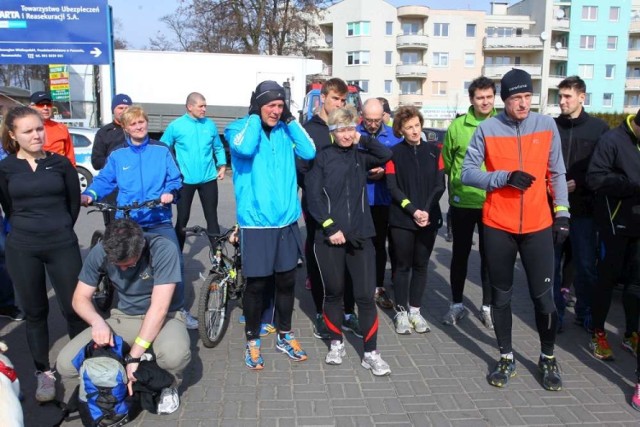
[197, 230]
[108, 207]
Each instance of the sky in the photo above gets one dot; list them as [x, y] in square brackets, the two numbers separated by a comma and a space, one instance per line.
[140, 19]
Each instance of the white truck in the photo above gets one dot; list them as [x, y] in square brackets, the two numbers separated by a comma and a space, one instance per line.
[160, 81]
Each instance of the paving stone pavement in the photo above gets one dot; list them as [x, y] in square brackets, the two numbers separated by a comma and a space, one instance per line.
[437, 378]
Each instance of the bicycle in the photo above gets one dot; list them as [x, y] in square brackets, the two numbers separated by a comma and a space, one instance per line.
[223, 283]
[103, 296]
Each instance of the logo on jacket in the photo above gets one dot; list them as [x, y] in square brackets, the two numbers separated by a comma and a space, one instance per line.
[124, 168]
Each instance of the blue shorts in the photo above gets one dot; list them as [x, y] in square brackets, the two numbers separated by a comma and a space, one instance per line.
[266, 251]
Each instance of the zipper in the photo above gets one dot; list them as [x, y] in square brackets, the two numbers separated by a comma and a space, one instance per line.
[328, 200]
[521, 165]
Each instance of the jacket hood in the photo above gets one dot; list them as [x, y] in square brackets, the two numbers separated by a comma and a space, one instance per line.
[628, 127]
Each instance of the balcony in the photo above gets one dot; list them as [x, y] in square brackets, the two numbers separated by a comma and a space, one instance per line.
[412, 41]
[513, 43]
[632, 83]
[560, 54]
[411, 99]
[552, 110]
[411, 71]
[554, 80]
[413, 12]
[633, 55]
[634, 27]
[631, 109]
[560, 24]
[497, 71]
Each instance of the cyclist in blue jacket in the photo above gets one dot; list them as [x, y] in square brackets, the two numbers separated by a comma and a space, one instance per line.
[142, 169]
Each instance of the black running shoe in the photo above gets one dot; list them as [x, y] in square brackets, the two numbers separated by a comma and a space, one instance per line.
[548, 367]
[504, 370]
[12, 312]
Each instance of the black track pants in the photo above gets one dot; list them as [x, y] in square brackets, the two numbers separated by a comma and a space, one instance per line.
[336, 263]
[536, 253]
[257, 296]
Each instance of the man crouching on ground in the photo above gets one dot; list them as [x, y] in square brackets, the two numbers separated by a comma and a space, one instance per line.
[143, 269]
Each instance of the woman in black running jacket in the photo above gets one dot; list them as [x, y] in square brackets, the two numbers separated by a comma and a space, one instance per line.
[337, 199]
[415, 178]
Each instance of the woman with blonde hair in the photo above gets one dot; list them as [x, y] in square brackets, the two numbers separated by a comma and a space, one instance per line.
[337, 199]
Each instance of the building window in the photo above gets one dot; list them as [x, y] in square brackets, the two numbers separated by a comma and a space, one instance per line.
[499, 31]
[612, 42]
[633, 72]
[440, 59]
[471, 30]
[634, 43]
[409, 58]
[614, 13]
[389, 28]
[388, 57]
[497, 60]
[610, 71]
[440, 29]
[387, 87]
[362, 84]
[587, 42]
[589, 13]
[410, 87]
[585, 71]
[411, 27]
[439, 88]
[587, 99]
[358, 28]
[466, 85]
[358, 57]
[607, 100]
[469, 59]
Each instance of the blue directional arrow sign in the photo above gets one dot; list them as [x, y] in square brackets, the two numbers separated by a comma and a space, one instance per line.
[50, 32]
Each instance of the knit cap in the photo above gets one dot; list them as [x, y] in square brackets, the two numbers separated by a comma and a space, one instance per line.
[515, 81]
[268, 91]
[119, 99]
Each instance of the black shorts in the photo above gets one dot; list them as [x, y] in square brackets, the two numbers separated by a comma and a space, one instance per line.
[270, 250]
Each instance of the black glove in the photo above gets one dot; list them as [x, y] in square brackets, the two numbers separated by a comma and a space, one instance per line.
[286, 114]
[253, 106]
[560, 230]
[520, 180]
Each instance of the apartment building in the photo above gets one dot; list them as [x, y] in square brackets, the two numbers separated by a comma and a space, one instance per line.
[415, 55]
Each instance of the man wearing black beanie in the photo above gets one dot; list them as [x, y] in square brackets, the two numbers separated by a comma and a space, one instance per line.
[263, 147]
[520, 150]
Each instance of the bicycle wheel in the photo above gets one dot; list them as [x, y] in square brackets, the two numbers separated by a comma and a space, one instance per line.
[103, 296]
[213, 310]
[96, 237]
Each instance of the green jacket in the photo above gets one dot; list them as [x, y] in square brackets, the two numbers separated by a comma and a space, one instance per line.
[456, 142]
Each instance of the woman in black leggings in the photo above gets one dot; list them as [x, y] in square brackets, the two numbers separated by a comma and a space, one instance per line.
[415, 178]
[337, 200]
[40, 193]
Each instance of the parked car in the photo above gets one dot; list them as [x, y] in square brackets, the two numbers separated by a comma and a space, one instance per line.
[434, 135]
[82, 145]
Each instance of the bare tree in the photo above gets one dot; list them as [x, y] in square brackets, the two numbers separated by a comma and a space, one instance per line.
[119, 42]
[242, 26]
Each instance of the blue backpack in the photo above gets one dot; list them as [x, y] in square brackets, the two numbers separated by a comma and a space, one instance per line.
[102, 394]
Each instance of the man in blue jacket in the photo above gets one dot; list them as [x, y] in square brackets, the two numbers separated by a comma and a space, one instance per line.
[379, 198]
[195, 140]
[263, 148]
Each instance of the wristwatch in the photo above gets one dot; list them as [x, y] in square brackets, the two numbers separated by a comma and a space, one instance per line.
[130, 359]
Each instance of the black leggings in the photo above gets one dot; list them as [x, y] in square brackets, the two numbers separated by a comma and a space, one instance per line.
[536, 253]
[411, 252]
[619, 256]
[208, 193]
[336, 263]
[257, 296]
[313, 272]
[27, 270]
[380, 215]
[464, 221]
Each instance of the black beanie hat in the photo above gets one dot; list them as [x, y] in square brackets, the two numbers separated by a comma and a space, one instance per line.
[268, 91]
[515, 81]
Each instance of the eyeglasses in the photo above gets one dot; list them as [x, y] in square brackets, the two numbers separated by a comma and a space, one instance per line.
[373, 121]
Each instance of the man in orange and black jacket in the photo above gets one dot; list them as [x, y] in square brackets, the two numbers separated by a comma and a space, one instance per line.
[521, 151]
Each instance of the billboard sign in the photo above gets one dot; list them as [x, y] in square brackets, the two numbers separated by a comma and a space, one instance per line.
[48, 32]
